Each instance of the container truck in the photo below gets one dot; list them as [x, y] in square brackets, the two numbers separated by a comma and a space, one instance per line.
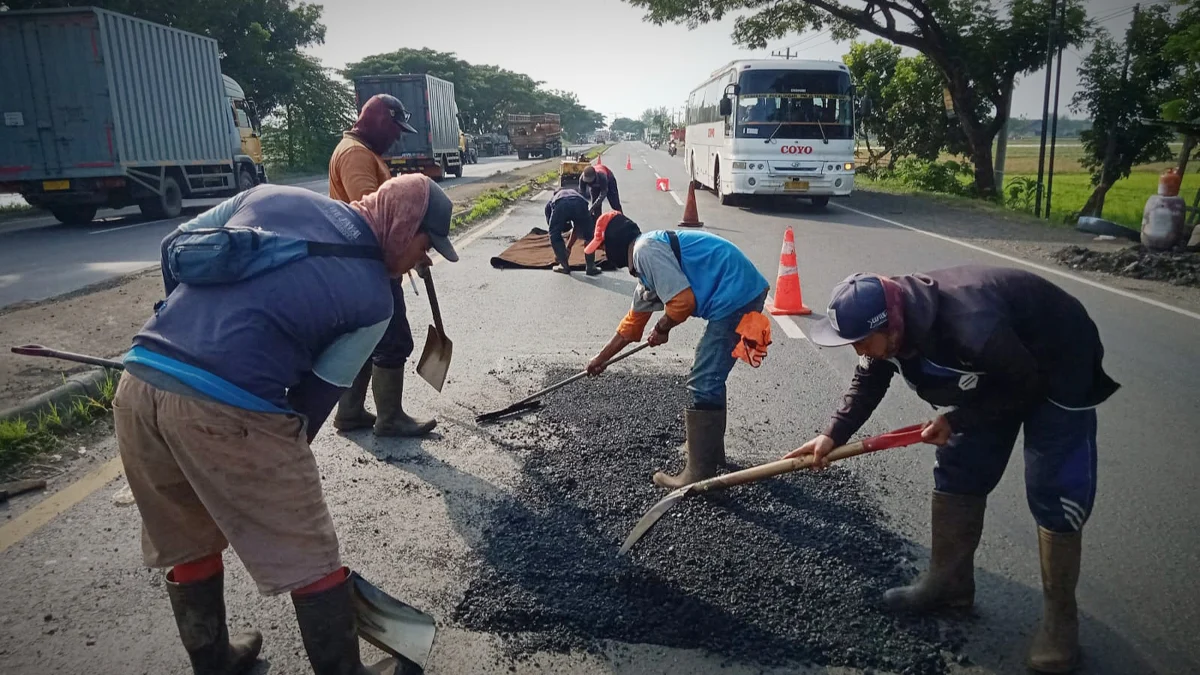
[434, 150]
[105, 110]
[539, 135]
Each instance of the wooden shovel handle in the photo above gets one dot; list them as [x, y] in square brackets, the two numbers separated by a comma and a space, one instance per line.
[892, 439]
[427, 275]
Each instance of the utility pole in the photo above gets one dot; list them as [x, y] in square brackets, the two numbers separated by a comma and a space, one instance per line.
[1002, 143]
[1054, 125]
[785, 54]
[1046, 105]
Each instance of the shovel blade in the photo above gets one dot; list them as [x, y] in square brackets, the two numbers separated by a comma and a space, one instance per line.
[657, 511]
[394, 626]
[435, 358]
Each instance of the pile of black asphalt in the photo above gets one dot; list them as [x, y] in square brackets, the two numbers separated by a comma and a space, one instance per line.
[787, 571]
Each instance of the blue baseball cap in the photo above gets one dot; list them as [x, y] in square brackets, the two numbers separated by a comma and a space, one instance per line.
[857, 308]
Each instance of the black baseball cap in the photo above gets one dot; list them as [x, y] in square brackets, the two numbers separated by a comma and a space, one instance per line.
[436, 222]
[857, 308]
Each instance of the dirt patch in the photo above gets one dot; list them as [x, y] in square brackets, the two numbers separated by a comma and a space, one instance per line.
[781, 573]
[1181, 269]
[1014, 234]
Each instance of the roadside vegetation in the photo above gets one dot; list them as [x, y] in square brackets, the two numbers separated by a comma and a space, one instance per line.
[934, 116]
[490, 202]
[23, 441]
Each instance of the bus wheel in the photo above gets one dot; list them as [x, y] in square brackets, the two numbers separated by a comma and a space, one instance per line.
[692, 172]
[726, 199]
[820, 202]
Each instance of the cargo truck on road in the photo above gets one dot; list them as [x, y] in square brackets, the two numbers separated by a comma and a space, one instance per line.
[434, 150]
[105, 110]
[539, 135]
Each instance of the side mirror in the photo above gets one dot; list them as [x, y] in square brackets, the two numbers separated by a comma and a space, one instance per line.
[726, 107]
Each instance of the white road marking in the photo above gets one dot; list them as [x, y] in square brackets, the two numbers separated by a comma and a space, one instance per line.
[786, 323]
[1041, 268]
[126, 227]
[675, 197]
[539, 195]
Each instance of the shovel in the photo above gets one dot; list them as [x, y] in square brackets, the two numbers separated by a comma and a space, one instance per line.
[435, 358]
[39, 350]
[531, 401]
[892, 439]
[394, 626]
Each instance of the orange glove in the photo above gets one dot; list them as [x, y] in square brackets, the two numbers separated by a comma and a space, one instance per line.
[755, 332]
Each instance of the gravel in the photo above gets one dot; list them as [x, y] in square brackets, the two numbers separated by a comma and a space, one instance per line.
[779, 573]
[1179, 268]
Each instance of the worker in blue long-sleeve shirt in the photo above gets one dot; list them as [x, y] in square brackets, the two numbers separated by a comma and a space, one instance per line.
[227, 385]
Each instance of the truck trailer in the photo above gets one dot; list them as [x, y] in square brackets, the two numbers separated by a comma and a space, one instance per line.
[434, 150]
[539, 135]
[106, 110]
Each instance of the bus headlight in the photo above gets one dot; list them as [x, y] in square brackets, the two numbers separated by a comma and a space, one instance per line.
[739, 165]
[849, 166]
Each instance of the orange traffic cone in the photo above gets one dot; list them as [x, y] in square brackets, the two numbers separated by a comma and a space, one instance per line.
[628, 163]
[690, 217]
[788, 299]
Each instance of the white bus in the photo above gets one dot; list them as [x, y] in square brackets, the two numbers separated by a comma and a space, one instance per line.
[773, 127]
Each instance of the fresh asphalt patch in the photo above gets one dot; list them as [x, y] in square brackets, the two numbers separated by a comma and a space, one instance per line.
[789, 571]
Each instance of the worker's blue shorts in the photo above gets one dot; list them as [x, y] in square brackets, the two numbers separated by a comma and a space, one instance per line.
[1060, 463]
[396, 345]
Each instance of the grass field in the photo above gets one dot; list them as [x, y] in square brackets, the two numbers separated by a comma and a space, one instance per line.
[1072, 184]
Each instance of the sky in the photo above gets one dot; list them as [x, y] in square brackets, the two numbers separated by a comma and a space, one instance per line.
[602, 50]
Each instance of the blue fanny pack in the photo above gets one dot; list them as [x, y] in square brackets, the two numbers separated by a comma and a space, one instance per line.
[226, 255]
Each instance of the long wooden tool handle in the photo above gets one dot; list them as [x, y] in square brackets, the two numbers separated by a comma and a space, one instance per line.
[427, 274]
[577, 376]
[892, 439]
[39, 350]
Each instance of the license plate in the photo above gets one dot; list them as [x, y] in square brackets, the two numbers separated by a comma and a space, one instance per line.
[49, 185]
[798, 185]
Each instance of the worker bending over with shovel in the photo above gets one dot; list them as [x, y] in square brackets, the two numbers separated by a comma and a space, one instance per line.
[229, 382]
[598, 183]
[1011, 352]
[567, 209]
[689, 274]
[357, 169]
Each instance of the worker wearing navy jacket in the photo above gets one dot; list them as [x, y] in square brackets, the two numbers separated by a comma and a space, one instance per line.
[1010, 352]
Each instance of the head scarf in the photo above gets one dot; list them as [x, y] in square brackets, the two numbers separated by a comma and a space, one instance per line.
[394, 213]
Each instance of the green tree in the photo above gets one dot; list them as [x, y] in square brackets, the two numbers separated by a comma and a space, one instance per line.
[657, 121]
[260, 40]
[1183, 49]
[1120, 91]
[577, 120]
[978, 50]
[310, 120]
[872, 65]
[624, 125]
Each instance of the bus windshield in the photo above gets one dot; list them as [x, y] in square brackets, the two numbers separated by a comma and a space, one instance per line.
[793, 104]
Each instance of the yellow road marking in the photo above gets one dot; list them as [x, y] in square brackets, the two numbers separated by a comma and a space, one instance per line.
[51, 507]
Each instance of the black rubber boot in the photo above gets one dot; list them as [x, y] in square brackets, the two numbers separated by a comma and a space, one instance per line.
[389, 402]
[1055, 648]
[949, 583]
[592, 270]
[200, 615]
[705, 448]
[330, 631]
[351, 412]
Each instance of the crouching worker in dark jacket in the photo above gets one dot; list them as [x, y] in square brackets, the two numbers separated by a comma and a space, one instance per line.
[227, 385]
[1011, 352]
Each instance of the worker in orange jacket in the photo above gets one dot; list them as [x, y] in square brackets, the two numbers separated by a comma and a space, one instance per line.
[357, 169]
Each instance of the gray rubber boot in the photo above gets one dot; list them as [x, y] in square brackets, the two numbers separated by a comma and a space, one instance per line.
[705, 443]
[560, 254]
[200, 615]
[949, 583]
[1055, 648]
[351, 412]
[329, 628]
[592, 270]
[389, 403]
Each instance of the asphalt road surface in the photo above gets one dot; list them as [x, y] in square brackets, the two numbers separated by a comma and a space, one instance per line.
[413, 516]
[40, 258]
